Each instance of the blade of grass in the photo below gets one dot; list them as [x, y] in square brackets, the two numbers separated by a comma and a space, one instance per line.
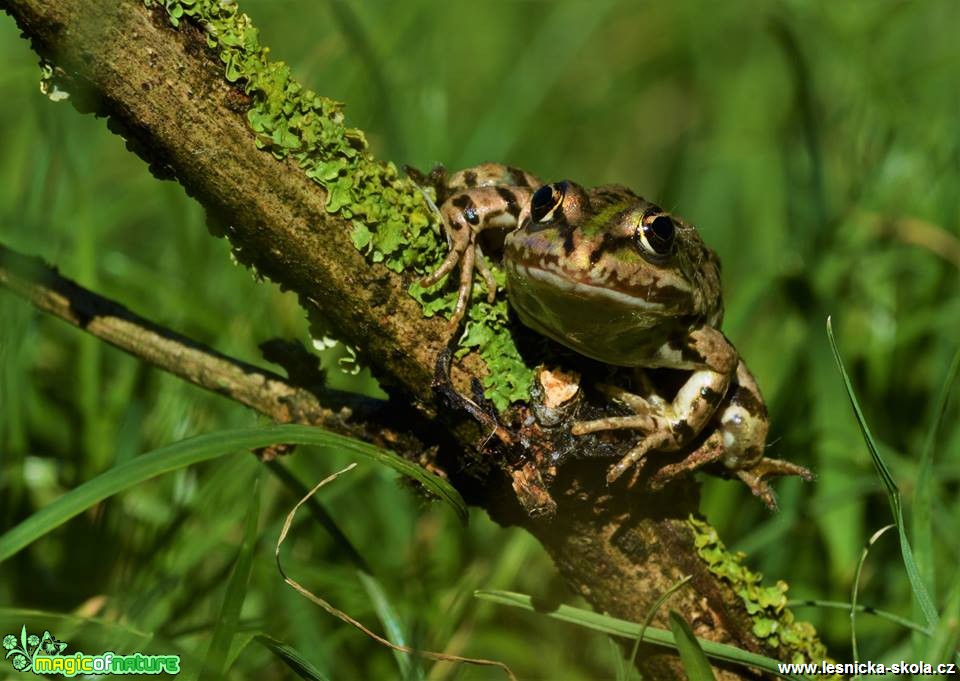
[694, 660]
[67, 620]
[291, 657]
[867, 609]
[652, 612]
[556, 39]
[893, 492]
[392, 625]
[925, 488]
[214, 665]
[856, 588]
[624, 673]
[202, 448]
[632, 630]
[946, 637]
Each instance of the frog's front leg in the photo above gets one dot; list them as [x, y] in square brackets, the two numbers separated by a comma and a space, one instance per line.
[465, 214]
[670, 426]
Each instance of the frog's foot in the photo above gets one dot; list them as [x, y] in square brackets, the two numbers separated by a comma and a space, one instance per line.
[464, 252]
[754, 477]
[668, 425]
[709, 451]
[635, 455]
[660, 436]
[647, 419]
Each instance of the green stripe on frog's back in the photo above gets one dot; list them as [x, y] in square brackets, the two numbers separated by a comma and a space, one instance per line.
[598, 223]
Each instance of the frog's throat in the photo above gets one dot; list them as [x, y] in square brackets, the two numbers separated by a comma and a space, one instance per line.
[581, 289]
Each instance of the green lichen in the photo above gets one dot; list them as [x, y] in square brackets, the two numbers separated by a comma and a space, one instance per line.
[391, 222]
[773, 623]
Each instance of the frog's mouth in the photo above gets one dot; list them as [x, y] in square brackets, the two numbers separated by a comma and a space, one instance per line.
[563, 284]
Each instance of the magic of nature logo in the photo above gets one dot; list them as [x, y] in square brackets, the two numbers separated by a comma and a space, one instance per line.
[45, 655]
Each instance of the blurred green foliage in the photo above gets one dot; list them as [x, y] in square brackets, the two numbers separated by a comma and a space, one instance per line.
[815, 145]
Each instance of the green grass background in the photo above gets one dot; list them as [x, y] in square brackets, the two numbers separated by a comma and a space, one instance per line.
[814, 144]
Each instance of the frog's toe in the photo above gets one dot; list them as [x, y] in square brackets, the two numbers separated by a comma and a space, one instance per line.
[443, 270]
[638, 422]
[755, 477]
[484, 268]
[759, 487]
[772, 468]
[635, 456]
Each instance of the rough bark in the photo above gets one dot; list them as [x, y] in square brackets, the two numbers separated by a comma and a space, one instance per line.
[165, 93]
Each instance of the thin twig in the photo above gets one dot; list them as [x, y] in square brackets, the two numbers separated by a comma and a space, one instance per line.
[263, 391]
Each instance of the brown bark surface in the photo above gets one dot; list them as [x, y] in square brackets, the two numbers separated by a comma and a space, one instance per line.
[164, 92]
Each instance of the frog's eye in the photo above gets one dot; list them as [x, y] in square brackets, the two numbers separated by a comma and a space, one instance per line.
[546, 200]
[656, 233]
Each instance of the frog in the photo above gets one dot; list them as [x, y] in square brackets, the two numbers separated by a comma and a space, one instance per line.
[616, 278]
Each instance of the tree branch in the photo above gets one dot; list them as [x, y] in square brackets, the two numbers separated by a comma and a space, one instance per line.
[166, 93]
[266, 392]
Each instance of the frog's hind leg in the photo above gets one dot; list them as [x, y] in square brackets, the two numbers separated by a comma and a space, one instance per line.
[743, 428]
[671, 426]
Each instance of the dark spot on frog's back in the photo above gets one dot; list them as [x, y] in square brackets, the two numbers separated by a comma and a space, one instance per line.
[470, 178]
[519, 177]
[508, 197]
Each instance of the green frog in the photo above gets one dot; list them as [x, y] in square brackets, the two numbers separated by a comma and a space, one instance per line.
[616, 278]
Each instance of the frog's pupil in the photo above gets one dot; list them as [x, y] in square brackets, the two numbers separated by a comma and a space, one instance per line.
[660, 233]
[542, 202]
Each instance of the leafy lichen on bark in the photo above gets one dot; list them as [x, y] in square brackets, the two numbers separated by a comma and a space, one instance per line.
[773, 622]
[392, 222]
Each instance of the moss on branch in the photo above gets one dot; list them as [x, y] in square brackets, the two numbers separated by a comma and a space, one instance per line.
[391, 220]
